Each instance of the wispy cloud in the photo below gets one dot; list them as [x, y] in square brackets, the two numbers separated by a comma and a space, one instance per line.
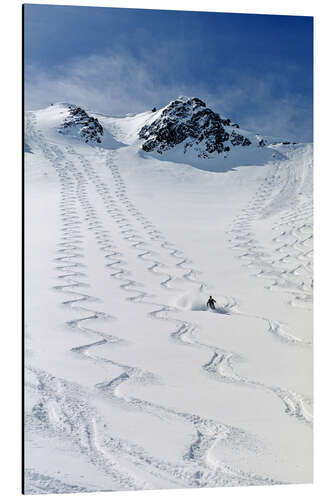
[258, 105]
[121, 83]
[116, 83]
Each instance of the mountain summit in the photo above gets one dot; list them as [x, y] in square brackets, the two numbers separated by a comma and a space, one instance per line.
[187, 121]
[80, 123]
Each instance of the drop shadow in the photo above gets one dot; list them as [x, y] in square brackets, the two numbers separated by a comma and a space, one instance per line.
[27, 148]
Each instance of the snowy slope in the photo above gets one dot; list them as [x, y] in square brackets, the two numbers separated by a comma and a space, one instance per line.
[130, 382]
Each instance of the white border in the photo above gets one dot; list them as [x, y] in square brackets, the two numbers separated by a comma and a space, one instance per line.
[10, 210]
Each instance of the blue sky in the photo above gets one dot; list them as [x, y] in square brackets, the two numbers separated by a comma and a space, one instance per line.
[255, 69]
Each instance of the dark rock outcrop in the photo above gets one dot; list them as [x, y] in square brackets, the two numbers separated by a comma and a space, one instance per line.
[189, 121]
[88, 127]
[239, 140]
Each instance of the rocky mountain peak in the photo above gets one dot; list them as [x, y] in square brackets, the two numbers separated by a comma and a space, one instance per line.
[189, 122]
[78, 121]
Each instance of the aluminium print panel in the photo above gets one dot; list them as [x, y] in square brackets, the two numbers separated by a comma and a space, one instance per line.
[168, 249]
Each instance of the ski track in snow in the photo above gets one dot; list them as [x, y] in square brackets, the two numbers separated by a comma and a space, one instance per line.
[64, 408]
[294, 403]
[289, 265]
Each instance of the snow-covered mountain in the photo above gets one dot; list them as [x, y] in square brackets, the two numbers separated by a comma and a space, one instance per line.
[185, 125]
[131, 381]
[184, 131]
[187, 121]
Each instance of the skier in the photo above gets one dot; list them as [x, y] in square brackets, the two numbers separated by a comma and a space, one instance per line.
[211, 302]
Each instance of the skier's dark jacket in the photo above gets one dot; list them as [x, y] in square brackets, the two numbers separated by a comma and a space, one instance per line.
[211, 302]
